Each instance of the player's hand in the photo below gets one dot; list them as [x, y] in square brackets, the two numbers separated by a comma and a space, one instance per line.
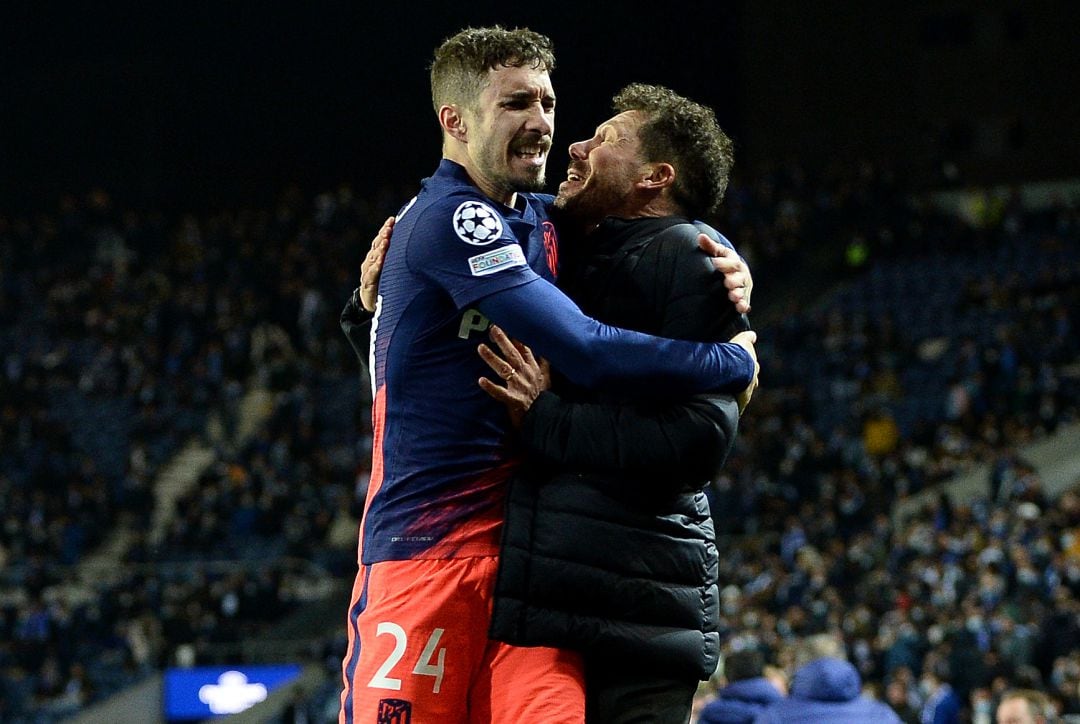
[524, 375]
[371, 267]
[736, 273]
[746, 340]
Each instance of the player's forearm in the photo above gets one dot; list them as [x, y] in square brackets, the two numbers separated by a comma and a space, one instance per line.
[678, 444]
[592, 354]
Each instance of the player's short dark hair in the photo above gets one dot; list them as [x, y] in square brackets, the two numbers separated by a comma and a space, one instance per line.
[459, 69]
[686, 135]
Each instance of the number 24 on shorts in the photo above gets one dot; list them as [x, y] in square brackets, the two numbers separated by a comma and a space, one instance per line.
[424, 667]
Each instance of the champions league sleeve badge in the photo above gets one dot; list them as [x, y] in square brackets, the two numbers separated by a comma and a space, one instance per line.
[477, 223]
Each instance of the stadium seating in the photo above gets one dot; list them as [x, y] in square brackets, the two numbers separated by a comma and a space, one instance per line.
[119, 356]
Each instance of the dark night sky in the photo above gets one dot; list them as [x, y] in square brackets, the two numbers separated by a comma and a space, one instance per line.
[227, 103]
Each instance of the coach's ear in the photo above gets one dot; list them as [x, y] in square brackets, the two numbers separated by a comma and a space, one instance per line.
[657, 176]
[453, 123]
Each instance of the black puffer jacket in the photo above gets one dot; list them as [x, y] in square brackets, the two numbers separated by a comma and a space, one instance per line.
[623, 565]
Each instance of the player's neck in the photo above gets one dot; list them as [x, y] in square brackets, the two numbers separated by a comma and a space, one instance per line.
[493, 191]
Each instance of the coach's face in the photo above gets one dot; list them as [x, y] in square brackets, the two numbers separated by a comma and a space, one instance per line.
[509, 131]
[603, 171]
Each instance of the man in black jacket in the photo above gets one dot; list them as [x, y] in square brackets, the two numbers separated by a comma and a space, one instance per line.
[609, 545]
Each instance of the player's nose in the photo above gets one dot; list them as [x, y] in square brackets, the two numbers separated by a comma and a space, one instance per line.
[540, 121]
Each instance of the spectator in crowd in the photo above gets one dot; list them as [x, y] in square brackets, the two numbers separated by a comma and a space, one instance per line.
[1025, 706]
[747, 693]
[110, 360]
[902, 702]
[825, 688]
[942, 703]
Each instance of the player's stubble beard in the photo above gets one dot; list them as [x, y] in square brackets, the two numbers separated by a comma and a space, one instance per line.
[500, 161]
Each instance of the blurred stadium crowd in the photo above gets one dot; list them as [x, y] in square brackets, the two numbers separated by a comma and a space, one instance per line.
[900, 345]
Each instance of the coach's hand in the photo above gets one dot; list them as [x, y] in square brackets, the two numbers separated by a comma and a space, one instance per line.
[746, 340]
[736, 273]
[524, 375]
[371, 267]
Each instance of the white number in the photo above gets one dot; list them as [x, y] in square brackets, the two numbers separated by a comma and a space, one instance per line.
[380, 680]
[423, 664]
[423, 667]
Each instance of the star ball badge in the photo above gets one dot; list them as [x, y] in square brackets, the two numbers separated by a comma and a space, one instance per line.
[477, 223]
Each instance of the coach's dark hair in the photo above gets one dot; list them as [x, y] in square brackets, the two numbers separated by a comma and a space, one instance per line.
[461, 63]
[685, 134]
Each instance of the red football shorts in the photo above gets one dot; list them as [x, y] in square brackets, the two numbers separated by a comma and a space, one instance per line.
[419, 653]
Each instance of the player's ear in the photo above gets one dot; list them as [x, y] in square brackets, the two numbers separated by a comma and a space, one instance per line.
[452, 121]
[657, 176]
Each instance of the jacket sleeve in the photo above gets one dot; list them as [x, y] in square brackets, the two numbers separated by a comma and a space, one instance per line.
[600, 356]
[356, 324]
[684, 443]
[695, 305]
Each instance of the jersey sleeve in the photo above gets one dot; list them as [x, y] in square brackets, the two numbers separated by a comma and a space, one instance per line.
[592, 354]
[466, 247]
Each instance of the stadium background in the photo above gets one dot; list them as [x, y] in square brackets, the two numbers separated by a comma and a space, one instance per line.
[208, 137]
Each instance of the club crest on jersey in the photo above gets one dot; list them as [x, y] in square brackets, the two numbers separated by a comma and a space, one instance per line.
[394, 711]
[477, 223]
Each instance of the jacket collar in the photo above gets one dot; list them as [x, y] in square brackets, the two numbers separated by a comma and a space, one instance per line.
[613, 232]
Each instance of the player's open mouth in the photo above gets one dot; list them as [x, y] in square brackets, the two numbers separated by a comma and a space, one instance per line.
[534, 155]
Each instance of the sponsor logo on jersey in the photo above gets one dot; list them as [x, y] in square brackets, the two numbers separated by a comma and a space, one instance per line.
[492, 261]
[477, 223]
[472, 321]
